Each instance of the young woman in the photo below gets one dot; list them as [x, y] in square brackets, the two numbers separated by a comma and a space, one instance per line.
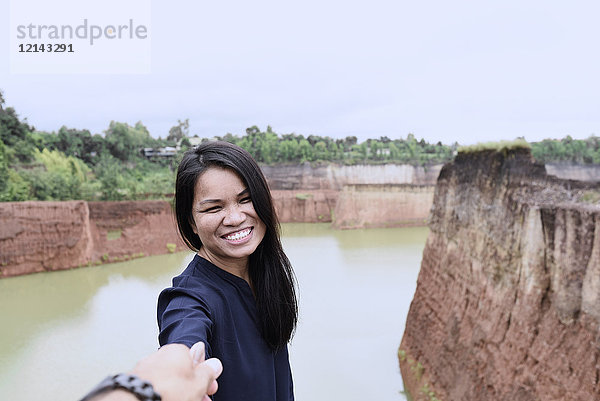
[238, 293]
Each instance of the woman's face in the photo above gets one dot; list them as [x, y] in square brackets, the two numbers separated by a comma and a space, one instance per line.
[224, 217]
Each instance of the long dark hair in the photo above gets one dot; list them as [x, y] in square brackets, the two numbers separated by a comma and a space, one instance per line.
[269, 268]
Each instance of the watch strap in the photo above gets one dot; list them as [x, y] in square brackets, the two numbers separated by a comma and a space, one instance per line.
[142, 389]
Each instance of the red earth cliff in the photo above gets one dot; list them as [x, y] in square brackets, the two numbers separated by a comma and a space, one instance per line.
[42, 236]
[46, 236]
[333, 177]
[312, 206]
[507, 305]
[122, 230]
[366, 206]
[356, 196]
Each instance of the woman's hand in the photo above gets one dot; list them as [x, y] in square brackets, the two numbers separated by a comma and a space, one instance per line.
[178, 373]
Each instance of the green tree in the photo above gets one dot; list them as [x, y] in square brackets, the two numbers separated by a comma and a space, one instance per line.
[57, 177]
[4, 170]
[110, 178]
[394, 151]
[336, 150]
[412, 147]
[124, 142]
[289, 150]
[269, 146]
[16, 135]
[72, 142]
[376, 150]
[321, 152]
[363, 150]
[179, 131]
[306, 151]
[16, 188]
[349, 142]
[185, 144]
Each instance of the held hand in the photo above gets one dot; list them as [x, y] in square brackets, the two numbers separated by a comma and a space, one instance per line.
[198, 354]
[180, 374]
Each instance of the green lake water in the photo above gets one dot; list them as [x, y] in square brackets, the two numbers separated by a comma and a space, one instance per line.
[62, 332]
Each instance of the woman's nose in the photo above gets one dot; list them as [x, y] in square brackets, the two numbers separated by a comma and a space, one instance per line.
[234, 216]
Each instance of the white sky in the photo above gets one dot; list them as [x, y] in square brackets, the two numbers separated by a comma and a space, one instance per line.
[465, 71]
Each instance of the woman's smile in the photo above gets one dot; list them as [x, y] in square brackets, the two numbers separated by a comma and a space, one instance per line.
[238, 236]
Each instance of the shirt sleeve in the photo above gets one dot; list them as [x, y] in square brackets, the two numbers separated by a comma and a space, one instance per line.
[183, 318]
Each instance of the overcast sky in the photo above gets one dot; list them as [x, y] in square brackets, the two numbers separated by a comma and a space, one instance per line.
[465, 71]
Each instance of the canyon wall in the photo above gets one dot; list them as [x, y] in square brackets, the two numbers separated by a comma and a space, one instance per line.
[335, 177]
[306, 206]
[46, 236]
[358, 196]
[365, 206]
[43, 236]
[121, 230]
[40, 236]
[576, 172]
[507, 305]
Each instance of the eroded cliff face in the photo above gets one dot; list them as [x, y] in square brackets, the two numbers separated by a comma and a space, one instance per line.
[42, 236]
[306, 206]
[358, 196]
[122, 230]
[46, 236]
[365, 206]
[578, 172]
[507, 305]
[335, 177]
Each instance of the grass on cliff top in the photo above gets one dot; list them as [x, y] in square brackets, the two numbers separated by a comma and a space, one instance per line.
[591, 197]
[501, 146]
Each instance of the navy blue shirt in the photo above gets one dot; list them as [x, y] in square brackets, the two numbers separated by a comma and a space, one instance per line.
[208, 304]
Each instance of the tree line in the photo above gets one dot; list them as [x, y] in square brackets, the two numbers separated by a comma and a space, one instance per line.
[568, 150]
[269, 147]
[74, 164]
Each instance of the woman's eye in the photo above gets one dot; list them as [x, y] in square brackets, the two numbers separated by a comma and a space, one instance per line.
[246, 200]
[211, 209]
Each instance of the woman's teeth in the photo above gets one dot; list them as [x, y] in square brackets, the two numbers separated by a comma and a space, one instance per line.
[239, 235]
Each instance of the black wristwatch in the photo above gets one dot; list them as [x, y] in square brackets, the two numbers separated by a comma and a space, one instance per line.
[138, 387]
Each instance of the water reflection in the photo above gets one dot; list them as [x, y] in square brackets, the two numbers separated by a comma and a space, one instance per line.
[62, 332]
